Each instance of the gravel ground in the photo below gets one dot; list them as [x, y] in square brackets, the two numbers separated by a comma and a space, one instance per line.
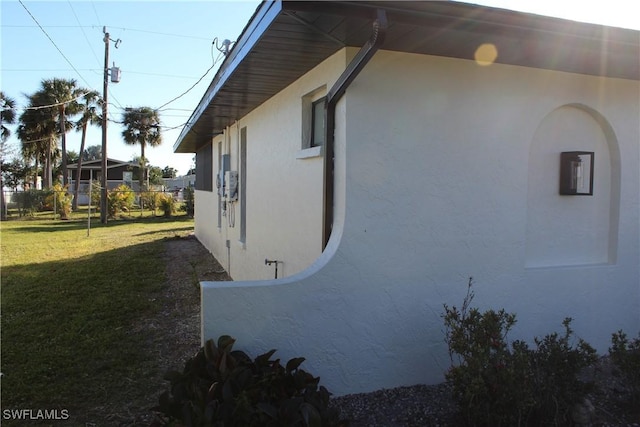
[429, 406]
[174, 336]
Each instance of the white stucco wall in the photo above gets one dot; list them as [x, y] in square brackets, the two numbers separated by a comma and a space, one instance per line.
[284, 186]
[437, 166]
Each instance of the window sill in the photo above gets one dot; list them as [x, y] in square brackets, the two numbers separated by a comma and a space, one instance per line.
[308, 153]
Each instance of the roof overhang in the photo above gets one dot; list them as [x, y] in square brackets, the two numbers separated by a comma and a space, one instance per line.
[285, 39]
[97, 164]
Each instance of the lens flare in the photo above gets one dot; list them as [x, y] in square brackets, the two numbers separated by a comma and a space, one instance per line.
[486, 54]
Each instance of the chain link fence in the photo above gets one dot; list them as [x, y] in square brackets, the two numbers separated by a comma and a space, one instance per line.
[121, 200]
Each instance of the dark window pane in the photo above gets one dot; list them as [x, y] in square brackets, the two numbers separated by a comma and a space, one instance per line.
[317, 132]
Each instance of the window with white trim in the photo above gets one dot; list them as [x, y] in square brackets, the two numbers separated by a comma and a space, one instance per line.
[313, 118]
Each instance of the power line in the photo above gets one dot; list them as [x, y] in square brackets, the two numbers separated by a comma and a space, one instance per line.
[40, 107]
[46, 69]
[54, 43]
[95, 12]
[194, 85]
[161, 34]
[83, 33]
[117, 28]
[95, 70]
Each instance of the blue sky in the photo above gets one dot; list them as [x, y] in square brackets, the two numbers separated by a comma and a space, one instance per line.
[165, 48]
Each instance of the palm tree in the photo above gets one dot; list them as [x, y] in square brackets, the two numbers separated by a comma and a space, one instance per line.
[38, 134]
[62, 95]
[90, 116]
[142, 126]
[8, 116]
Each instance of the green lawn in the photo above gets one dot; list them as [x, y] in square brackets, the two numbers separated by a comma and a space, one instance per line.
[69, 302]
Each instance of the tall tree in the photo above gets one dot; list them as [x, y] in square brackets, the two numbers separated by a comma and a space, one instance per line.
[63, 96]
[14, 173]
[142, 126]
[90, 116]
[37, 132]
[92, 152]
[7, 117]
[169, 172]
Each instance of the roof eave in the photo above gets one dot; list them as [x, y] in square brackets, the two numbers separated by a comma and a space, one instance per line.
[188, 140]
[273, 50]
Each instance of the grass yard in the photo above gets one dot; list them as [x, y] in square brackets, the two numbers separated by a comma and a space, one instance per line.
[71, 307]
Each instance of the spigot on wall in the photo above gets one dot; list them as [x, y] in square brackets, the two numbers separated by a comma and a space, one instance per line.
[273, 261]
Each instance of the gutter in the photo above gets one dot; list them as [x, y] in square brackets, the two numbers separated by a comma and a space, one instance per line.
[335, 93]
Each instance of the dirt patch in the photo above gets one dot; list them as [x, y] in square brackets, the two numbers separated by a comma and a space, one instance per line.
[173, 335]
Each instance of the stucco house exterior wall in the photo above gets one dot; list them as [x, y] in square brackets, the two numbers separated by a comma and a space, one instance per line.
[445, 169]
[443, 188]
[284, 186]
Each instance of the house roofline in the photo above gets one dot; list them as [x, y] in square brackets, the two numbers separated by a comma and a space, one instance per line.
[264, 14]
[97, 164]
[266, 58]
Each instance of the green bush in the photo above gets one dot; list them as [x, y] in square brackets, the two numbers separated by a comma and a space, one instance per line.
[497, 383]
[120, 200]
[150, 200]
[31, 201]
[221, 387]
[59, 200]
[625, 355]
[96, 193]
[167, 204]
[189, 201]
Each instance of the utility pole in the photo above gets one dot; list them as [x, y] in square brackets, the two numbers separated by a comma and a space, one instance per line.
[105, 92]
[105, 88]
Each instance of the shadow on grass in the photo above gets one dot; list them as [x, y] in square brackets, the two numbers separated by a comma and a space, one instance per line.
[69, 329]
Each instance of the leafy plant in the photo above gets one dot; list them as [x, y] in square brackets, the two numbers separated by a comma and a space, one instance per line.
[96, 193]
[120, 199]
[167, 204]
[59, 199]
[150, 199]
[221, 387]
[500, 383]
[625, 355]
[189, 201]
[31, 201]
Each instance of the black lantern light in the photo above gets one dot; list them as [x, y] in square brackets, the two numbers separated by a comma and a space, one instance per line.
[576, 173]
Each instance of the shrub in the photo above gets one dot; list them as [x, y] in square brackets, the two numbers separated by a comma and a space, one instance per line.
[189, 201]
[119, 200]
[59, 199]
[96, 193]
[497, 383]
[221, 387]
[31, 201]
[625, 355]
[150, 200]
[167, 204]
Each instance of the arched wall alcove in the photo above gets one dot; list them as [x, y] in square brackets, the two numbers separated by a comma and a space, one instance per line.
[572, 230]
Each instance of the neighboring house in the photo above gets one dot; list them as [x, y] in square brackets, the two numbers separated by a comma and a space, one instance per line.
[176, 185]
[385, 152]
[118, 172]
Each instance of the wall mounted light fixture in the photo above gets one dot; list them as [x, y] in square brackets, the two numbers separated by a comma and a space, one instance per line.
[576, 173]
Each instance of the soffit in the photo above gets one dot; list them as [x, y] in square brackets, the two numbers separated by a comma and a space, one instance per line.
[284, 40]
